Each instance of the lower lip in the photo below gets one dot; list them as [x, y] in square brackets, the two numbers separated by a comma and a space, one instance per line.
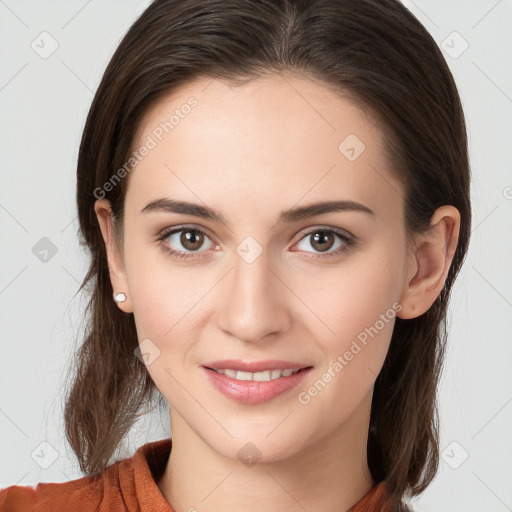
[254, 392]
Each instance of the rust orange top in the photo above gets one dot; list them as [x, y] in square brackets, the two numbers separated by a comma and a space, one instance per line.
[128, 485]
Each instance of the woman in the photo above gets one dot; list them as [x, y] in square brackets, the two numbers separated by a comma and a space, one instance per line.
[275, 195]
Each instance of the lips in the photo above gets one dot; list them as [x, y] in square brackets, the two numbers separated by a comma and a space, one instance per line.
[245, 388]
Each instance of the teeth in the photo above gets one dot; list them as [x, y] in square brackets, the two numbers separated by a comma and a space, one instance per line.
[264, 376]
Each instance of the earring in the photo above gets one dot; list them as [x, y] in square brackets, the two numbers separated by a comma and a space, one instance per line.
[119, 297]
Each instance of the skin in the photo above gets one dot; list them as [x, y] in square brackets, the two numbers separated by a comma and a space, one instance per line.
[249, 152]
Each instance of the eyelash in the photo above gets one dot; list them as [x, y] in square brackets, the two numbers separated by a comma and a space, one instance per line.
[348, 241]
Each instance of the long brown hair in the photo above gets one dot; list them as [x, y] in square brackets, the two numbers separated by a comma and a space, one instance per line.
[380, 55]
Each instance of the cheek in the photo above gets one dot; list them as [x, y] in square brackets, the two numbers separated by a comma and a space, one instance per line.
[359, 295]
[162, 292]
[362, 319]
[166, 303]
[167, 311]
[171, 305]
[357, 305]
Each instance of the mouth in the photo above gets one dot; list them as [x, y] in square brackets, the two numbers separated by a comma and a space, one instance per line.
[255, 382]
[260, 371]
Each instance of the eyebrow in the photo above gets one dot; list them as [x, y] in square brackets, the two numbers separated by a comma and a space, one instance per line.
[289, 216]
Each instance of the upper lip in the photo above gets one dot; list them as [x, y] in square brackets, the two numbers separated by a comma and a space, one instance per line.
[254, 366]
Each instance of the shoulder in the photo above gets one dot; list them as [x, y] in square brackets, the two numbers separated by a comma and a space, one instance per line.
[80, 494]
[117, 488]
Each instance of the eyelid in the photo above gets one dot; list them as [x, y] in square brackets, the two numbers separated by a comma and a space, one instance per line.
[182, 227]
[339, 231]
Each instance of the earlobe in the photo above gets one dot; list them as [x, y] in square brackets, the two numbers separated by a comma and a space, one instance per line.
[430, 263]
[103, 210]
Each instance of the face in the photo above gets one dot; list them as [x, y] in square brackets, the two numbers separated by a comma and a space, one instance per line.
[316, 292]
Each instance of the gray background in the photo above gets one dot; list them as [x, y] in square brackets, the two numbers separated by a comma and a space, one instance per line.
[43, 103]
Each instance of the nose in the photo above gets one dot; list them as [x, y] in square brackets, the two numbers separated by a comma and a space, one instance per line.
[253, 302]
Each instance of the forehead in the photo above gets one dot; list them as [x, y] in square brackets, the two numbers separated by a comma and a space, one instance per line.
[269, 143]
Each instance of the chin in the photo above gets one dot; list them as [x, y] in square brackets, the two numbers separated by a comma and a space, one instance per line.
[258, 448]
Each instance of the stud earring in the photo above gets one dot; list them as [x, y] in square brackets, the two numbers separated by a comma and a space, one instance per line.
[119, 297]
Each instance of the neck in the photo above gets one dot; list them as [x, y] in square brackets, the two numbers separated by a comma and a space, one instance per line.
[330, 475]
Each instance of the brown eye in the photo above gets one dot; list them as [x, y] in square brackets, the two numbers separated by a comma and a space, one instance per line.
[323, 240]
[191, 239]
[184, 241]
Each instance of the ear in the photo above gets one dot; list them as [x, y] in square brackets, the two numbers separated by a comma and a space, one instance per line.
[115, 259]
[429, 263]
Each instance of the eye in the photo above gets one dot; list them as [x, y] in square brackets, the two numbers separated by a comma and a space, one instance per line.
[187, 239]
[324, 239]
